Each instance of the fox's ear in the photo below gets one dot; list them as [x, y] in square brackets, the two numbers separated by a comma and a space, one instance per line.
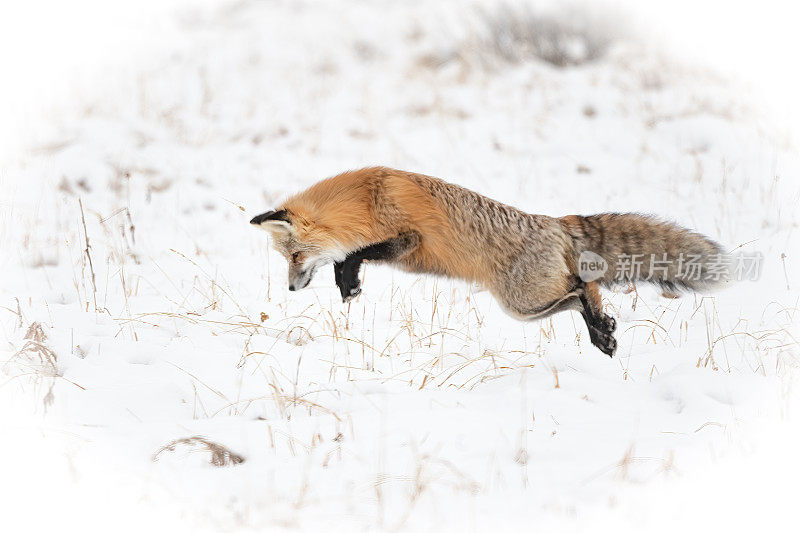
[273, 220]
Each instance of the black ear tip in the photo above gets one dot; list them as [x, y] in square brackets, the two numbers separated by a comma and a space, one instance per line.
[258, 219]
[270, 215]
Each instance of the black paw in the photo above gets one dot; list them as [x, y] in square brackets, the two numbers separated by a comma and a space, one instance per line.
[349, 293]
[606, 323]
[349, 286]
[605, 342]
[347, 280]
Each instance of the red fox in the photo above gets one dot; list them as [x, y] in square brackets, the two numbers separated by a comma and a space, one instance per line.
[532, 264]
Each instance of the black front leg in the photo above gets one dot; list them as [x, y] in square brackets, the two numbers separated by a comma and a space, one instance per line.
[347, 279]
[337, 272]
[346, 272]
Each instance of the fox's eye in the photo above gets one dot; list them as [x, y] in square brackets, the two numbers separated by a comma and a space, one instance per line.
[295, 256]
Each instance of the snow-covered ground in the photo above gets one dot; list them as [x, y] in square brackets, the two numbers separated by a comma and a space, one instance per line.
[420, 405]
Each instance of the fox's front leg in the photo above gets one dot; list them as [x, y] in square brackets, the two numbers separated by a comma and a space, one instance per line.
[346, 271]
[349, 286]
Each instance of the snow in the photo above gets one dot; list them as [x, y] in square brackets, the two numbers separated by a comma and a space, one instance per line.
[420, 405]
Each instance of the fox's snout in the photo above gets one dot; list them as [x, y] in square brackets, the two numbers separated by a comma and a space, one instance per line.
[300, 276]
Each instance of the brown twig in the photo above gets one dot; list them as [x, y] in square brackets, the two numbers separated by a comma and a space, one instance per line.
[89, 255]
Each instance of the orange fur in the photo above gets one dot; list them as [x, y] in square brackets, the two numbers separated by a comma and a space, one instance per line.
[363, 206]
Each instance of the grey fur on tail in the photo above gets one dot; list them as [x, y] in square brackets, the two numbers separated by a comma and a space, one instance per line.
[639, 247]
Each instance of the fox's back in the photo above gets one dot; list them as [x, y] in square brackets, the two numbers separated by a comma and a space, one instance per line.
[466, 234]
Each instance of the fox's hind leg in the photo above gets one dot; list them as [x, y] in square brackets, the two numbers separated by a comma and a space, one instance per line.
[593, 307]
[346, 272]
[579, 296]
[601, 326]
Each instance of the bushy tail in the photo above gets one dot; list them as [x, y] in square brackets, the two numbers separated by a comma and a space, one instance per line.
[614, 248]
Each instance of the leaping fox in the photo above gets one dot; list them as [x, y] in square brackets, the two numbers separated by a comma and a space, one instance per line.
[530, 263]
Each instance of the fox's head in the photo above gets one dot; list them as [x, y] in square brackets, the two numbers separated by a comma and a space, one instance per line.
[305, 244]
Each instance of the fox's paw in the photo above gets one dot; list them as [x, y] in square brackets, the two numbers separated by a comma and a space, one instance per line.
[351, 293]
[609, 346]
[349, 287]
[607, 324]
[605, 342]
[348, 282]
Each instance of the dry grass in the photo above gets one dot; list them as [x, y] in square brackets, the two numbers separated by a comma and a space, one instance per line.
[219, 455]
[517, 34]
[36, 352]
[514, 34]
